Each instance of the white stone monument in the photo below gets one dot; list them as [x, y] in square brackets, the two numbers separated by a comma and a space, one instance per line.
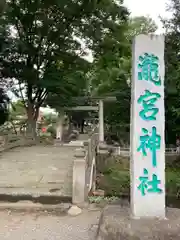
[147, 128]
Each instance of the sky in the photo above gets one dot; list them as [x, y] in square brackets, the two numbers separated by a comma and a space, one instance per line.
[152, 8]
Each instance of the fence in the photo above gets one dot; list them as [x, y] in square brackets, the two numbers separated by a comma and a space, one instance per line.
[126, 151]
[84, 169]
[11, 141]
[91, 161]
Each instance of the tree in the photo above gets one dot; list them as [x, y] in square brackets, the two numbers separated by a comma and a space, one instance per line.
[172, 72]
[43, 54]
[111, 75]
[116, 61]
[141, 25]
[68, 93]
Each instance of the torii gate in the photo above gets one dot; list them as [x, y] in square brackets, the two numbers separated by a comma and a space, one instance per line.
[99, 108]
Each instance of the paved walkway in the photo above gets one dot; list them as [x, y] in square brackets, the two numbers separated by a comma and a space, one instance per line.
[37, 170]
[23, 226]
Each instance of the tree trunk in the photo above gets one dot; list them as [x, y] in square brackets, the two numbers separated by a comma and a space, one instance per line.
[32, 119]
[82, 126]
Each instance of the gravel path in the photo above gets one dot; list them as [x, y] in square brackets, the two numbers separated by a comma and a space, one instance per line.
[45, 226]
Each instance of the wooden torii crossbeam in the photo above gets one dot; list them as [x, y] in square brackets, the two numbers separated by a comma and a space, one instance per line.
[83, 108]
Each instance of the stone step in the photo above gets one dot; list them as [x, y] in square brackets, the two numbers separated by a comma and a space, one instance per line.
[25, 179]
[34, 192]
[55, 208]
[76, 143]
[37, 171]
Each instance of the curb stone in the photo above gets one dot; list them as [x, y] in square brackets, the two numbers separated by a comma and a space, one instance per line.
[26, 206]
[62, 208]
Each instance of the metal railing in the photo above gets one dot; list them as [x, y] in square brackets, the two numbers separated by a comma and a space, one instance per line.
[126, 151]
[91, 159]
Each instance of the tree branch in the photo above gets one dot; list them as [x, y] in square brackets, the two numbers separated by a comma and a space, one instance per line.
[37, 95]
[42, 98]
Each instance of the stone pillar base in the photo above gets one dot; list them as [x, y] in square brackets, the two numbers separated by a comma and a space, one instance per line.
[115, 223]
[102, 147]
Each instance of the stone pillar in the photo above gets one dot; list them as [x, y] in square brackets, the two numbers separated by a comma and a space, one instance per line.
[101, 121]
[59, 132]
[59, 128]
[79, 190]
[147, 128]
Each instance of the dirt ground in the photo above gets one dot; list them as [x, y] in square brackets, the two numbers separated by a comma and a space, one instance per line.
[45, 226]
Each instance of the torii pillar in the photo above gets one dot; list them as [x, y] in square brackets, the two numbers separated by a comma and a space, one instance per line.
[101, 121]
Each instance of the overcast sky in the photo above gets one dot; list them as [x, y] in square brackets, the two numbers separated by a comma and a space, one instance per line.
[153, 8]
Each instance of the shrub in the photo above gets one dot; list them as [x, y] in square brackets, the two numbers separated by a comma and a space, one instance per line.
[52, 131]
[115, 181]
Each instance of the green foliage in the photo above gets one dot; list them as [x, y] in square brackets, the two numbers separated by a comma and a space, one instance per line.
[114, 65]
[173, 182]
[141, 25]
[100, 199]
[43, 58]
[99, 31]
[172, 72]
[116, 180]
[49, 119]
[17, 111]
[111, 74]
[2, 5]
[52, 131]
[117, 183]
